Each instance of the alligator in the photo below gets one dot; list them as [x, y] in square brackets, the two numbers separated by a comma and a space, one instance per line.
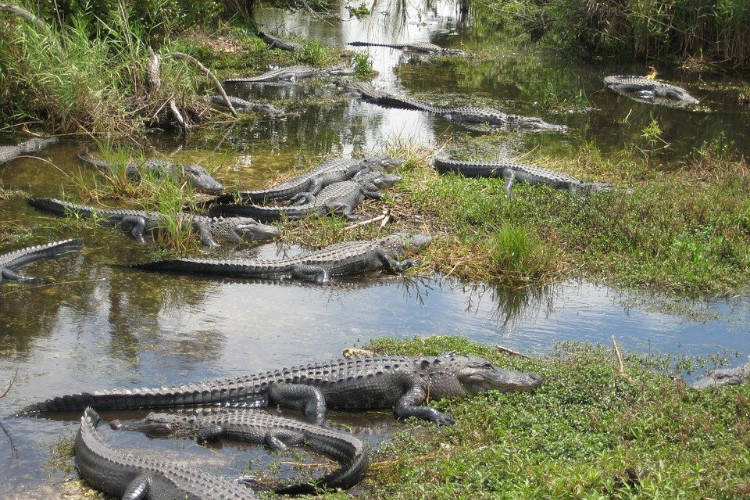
[403, 383]
[338, 198]
[465, 115]
[245, 105]
[648, 90]
[196, 175]
[35, 145]
[275, 42]
[328, 172]
[292, 74]
[12, 261]
[125, 475]
[724, 376]
[417, 47]
[139, 222]
[258, 427]
[511, 172]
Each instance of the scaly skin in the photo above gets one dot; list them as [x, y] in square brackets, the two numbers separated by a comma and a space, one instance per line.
[275, 42]
[258, 427]
[403, 383]
[343, 259]
[12, 261]
[245, 105]
[35, 145]
[418, 47]
[291, 74]
[338, 198]
[127, 476]
[512, 172]
[140, 222]
[648, 90]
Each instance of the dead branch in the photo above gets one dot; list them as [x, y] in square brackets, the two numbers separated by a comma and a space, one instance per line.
[217, 83]
[507, 350]
[25, 14]
[178, 116]
[385, 216]
[619, 360]
[153, 71]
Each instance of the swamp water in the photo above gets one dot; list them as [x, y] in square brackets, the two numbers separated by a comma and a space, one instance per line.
[99, 325]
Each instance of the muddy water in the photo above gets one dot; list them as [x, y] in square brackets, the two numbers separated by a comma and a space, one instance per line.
[97, 324]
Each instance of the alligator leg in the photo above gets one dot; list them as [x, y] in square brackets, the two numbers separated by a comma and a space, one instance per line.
[10, 275]
[316, 274]
[205, 233]
[509, 175]
[408, 407]
[395, 265]
[300, 397]
[138, 488]
[138, 224]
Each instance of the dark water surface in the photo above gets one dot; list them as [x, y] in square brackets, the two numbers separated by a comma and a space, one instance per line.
[100, 325]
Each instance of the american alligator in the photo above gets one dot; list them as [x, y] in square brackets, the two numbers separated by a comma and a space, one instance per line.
[417, 47]
[342, 259]
[292, 74]
[339, 198]
[275, 42]
[648, 90]
[724, 376]
[244, 105]
[140, 222]
[124, 475]
[196, 175]
[312, 181]
[12, 261]
[403, 383]
[35, 145]
[258, 427]
[521, 172]
[465, 115]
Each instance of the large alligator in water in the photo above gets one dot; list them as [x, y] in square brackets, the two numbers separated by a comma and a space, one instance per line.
[141, 222]
[648, 90]
[125, 475]
[259, 427]
[511, 172]
[723, 376]
[340, 198]
[197, 176]
[292, 74]
[416, 47]
[403, 383]
[35, 145]
[349, 258]
[12, 261]
[464, 115]
[312, 181]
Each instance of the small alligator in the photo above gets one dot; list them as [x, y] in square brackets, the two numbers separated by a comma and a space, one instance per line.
[12, 261]
[521, 172]
[258, 427]
[124, 475]
[312, 181]
[275, 42]
[196, 175]
[292, 74]
[342, 259]
[417, 47]
[338, 198]
[724, 376]
[245, 105]
[140, 222]
[35, 145]
[648, 90]
[403, 383]
[465, 115]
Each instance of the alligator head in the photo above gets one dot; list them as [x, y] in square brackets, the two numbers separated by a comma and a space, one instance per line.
[248, 229]
[201, 180]
[479, 375]
[156, 424]
[380, 163]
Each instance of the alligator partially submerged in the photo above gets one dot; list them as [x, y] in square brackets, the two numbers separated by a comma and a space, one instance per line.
[141, 222]
[649, 90]
[404, 383]
[292, 74]
[724, 376]
[259, 427]
[339, 198]
[349, 258]
[197, 176]
[125, 475]
[312, 181]
[511, 172]
[465, 115]
[416, 47]
[12, 261]
[35, 145]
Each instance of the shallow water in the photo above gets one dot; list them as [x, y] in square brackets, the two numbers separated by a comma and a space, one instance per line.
[99, 325]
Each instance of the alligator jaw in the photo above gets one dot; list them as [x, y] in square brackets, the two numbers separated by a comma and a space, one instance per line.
[480, 375]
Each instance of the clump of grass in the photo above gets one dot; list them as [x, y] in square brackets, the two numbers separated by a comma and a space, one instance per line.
[362, 64]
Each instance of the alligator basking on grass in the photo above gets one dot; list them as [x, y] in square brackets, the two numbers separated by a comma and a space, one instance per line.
[35, 145]
[521, 172]
[245, 105]
[275, 42]
[417, 47]
[12, 261]
[649, 90]
[141, 222]
[340, 198]
[197, 176]
[259, 427]
[723, 376]
[464, 115]
[312, 181]
[292, 74]
[125, 475]
[403, 383]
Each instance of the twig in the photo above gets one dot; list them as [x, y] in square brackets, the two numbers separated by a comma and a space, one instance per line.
[25, 14]
[381, 217]
[507, 350]
[619, 360]
[10, 384]
[177, 115]
[217, 83]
